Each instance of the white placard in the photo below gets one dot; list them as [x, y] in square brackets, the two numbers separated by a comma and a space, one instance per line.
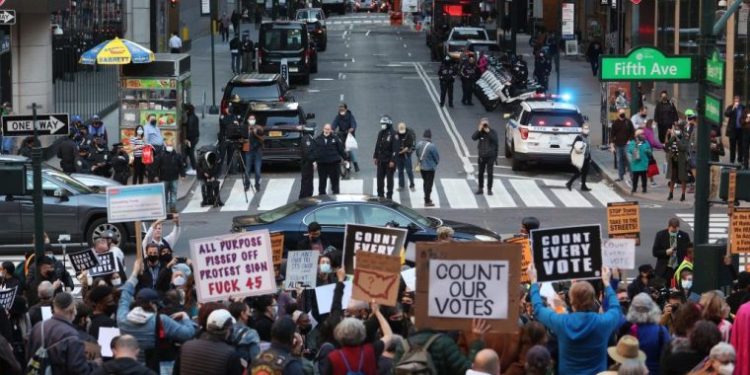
[410, 278]
[411, 251]
[136, 202]
[106, 334]
[46, 312]
[548, 291]
[568, 20]
[324, 296]
[742, 19]
[619, 253]
[409, 6]
[301, 268]
[205, 7]
[468, 289]
[234, 265]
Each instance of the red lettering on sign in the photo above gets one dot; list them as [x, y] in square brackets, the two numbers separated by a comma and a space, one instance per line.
[254, 283]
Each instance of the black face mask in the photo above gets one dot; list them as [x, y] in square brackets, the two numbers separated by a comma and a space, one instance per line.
[622, 115]
[110, 309]
[48, 275]
[153, 258]
[166, 258]
[153, 122]
[304, 330]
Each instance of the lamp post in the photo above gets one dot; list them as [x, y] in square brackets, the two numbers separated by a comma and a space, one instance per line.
[214, 110]
[36, 165]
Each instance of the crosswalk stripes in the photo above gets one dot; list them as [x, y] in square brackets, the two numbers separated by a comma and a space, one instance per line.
[447, 193]
[396, 195]
[718, 228]
[16, 259]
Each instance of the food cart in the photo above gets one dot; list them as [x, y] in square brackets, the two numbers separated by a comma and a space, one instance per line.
[159, 88]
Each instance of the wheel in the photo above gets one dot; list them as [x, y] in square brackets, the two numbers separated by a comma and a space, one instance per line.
[508, 154]
[314, 67]
[97, 228]
[306, 79]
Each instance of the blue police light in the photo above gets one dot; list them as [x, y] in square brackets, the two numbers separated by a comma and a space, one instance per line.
[566, 96]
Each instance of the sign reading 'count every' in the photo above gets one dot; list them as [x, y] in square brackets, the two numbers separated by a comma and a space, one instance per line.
[646, 64]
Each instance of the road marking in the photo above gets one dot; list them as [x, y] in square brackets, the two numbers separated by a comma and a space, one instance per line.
[323, 79]
[409, 53]
[194, 205]
[347, 22]
[346, 55]
[459, 193]
[345, 65]
[500, 197]
[530, 193]
[276, 193]
[571, 198]
[416, 197]
[347, 45]
[458, 143]
[396, 193]
[312, 90]
[341, 97]
[340, 75]
[367, 33]
[236, 198]
[343, 36]
[404, 45]
[604, 194]
[353, 60]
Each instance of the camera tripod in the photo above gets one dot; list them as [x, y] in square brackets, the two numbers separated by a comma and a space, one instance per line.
[237, 157]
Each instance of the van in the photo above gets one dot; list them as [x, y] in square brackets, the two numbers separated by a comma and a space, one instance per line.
[286, 40]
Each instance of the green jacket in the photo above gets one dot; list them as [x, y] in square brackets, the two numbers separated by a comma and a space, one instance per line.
[644, 153]
[446, 355]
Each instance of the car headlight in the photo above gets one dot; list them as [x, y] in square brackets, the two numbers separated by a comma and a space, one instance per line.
[485, 238]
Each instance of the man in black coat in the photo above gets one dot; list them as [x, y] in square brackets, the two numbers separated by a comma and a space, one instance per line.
[487, 151]
[101, 165]
[192, 135]
[66, 152]
[329, 150]
[170, 167]
[447, 74]
[307, 169]
[386, 150]
[670, 248]
[120, 164]
[125, 349]
[665, 115]
[735, 114]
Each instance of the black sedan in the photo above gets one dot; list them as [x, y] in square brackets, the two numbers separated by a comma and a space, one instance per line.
[333, 212]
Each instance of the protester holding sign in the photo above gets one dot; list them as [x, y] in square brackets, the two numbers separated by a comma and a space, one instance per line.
[155, 234]
[583, 334]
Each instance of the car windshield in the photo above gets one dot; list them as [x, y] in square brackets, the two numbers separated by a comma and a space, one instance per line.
[557, 119]
[283, 39]
[306, 15]
[468, 34]
[277, 118]
[415, 216]
[280, 213]
[257, 92]
[76, 186]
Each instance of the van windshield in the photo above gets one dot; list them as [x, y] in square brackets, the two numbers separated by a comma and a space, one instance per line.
[283, 39]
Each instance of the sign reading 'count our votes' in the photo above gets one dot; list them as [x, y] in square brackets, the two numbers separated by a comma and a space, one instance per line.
[567, 253]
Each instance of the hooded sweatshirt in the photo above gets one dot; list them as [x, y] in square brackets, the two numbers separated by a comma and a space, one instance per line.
[582, 336]
[741, 340]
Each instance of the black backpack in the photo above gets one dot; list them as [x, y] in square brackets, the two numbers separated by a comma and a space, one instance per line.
[271, 362]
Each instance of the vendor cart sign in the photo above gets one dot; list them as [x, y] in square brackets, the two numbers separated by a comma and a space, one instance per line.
[715, 70]
[713, 109]
[646, 64]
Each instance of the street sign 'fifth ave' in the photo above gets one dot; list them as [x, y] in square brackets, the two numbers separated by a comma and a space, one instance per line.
[55, 124]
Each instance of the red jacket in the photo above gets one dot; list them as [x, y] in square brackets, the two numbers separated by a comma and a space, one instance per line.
[360, 359]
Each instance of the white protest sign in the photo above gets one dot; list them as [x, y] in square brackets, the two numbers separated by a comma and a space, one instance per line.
[233, 265]
[135, 202]
[7, 296]
[46, 312]
[410, 278]
[301, 269]
[324, 296]
[469, 289]
[106, 334]
[107, 265]
[619, 253]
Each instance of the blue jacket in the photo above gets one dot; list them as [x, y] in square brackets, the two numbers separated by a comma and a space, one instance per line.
[582, 336]
[431, 157]
[344, 123]
[142, 324]
[652, 339]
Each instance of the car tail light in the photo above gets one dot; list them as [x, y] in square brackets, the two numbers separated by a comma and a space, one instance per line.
[282, 98]
[260, 56]
[224, 107]
[307, 56]
[524, 133]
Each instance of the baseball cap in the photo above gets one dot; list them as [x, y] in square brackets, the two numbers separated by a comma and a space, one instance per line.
[219, 320]
[147, 295]
[689, 113]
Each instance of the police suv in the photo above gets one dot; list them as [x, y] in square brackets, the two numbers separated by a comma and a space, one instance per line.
[542, 130]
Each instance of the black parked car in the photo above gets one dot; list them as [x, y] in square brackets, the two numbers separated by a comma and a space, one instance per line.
[284, 124]
[333, 212]
[255, 87]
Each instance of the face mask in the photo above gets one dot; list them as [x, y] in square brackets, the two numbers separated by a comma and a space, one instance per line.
[170, 148]
[325, 268]
[342, 113]
[111, 309]
[401, 131]
[178, 281]
[153, 258]
[686, 284]
[166, 258]
[643, 116]
[585, 131]
[153, 122]
[727, 369]
[622, 115]
[251, 122]
[116, 282]
[139, 132]
[382, 126]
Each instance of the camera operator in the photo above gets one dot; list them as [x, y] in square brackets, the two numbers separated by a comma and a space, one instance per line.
[674, 300]
[229, 129]
[252, 149]
[209, 166]
[642, 283]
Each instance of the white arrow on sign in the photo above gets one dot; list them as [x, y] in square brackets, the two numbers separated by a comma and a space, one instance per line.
[6, 17]
[53, 125]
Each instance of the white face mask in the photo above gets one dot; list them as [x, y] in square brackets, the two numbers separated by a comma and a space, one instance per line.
[727, 369]
[139, 132]
[401, 131]
[251, 122]
[382, 126]
[116, 282]
[170, 148]
[342, 113]
[686, 284]
[179, 281]
[325, 268]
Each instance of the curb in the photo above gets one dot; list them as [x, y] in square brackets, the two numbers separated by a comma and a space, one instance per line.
[189, 180]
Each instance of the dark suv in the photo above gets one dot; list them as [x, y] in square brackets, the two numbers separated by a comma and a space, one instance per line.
[288, 40]
[256, 87]
[284, 124]
[70, 207]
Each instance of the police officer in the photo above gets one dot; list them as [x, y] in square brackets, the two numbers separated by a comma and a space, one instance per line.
[446, 74]
[247, 52]
[101, 159]
[469, 75]
[120, 163]
[329, 152]
[66, 152]
[83, 161]
[542, 69]
[307, 168]
[384, 156]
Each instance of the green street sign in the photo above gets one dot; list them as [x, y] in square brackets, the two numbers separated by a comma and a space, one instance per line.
[715, 70]
[646, 64]
[713, 109]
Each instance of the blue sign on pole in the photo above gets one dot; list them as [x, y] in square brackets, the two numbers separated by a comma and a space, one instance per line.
[285, 70]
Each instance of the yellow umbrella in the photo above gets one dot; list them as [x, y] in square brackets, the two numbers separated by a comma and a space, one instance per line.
[117, 52]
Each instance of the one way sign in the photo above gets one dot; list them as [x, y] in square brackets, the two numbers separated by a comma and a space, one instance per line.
[7, 17]
[55, 124]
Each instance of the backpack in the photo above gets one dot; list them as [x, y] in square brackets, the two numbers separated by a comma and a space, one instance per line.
[349, 370]
[417, 360]
[39, 363]
[270, 362]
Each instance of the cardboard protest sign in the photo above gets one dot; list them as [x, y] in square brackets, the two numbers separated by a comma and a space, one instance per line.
[277, 245]
[732, 191]
[619, 253]
[233, 265]
[83, 260]
[567, 253]
[324, 296]
[624, 220]
[377, 277]
[525, 255]
[7, 296]
[107, 265]
[740, 230]
[301, 269]
[381, 240]
[461, 281]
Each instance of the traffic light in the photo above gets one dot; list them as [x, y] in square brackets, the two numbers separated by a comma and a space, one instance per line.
[173, 3]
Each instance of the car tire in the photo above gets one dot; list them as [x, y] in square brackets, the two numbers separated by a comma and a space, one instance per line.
[98, 226]
[306, 79]
[508, 154]
[314, 67]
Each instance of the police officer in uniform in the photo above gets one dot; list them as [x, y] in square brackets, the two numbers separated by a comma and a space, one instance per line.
[101, 163]
[120, 163]
[446, 74]
[307, 167]
[384, 156]
[83, 161]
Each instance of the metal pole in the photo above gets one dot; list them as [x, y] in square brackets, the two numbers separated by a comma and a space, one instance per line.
[635, 99]
[214, 109]
[513, 26]
[36, 165]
